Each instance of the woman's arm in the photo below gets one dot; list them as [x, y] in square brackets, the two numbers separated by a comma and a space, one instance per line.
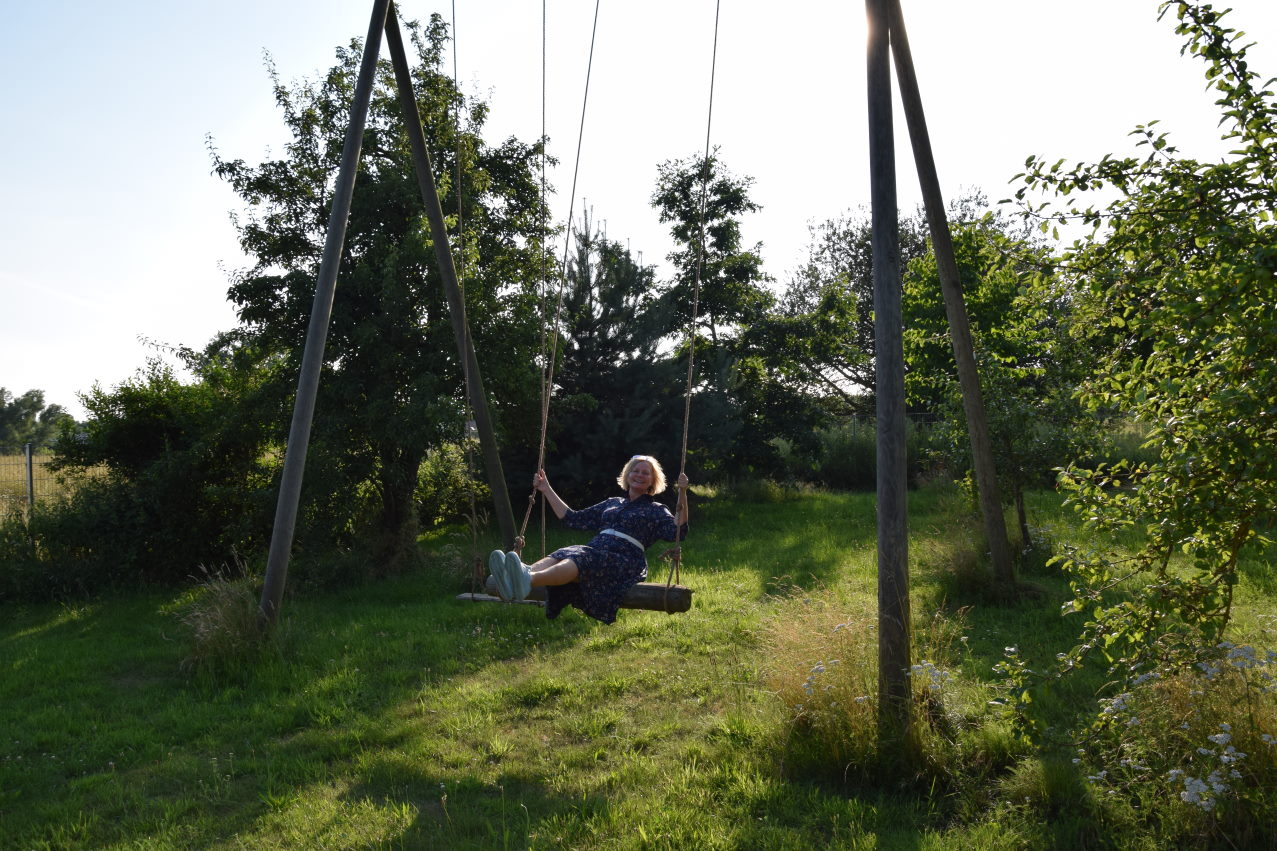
[680, 510]
[541, 483]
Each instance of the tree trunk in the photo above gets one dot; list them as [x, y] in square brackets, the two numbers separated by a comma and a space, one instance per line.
[398, 523]
[1022, 516]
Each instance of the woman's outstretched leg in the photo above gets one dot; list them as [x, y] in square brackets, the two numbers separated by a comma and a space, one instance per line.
[551, 571]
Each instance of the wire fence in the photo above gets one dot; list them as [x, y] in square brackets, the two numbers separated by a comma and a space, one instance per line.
[25, 480]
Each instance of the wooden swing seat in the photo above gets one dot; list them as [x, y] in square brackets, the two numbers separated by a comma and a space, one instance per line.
[649, 596]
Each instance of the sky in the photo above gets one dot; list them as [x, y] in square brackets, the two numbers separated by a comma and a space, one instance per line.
[116, 239]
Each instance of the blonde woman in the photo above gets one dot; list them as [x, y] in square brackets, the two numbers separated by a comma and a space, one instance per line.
[595, 577]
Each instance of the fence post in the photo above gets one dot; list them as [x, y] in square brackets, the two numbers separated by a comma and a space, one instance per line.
[30, 484]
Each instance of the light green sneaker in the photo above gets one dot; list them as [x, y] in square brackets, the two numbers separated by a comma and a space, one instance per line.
[496, 566]
[518, 575]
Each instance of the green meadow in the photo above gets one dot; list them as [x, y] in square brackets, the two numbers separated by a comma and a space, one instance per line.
[394, 716]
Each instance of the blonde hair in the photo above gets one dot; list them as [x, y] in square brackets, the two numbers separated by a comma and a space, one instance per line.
[658, 475]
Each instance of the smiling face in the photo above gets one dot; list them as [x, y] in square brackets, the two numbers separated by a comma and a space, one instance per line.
[642, 474]
[640, 478]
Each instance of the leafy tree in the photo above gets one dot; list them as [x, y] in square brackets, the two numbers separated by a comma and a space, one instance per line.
[26, 419]
[827, 308]
[1182, 265]
[733, 288]
[1031, 354]
[392, 384]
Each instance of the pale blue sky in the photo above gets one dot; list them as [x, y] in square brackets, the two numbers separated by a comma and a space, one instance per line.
[114, 230]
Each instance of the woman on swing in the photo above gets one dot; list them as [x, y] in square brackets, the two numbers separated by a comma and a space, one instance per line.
[595, 577]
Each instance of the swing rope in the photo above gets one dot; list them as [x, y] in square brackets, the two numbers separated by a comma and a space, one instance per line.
[476, 570]
[549, 358]
[675, 555]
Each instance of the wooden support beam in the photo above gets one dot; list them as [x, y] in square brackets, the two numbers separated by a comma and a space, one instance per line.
[995, 528]
[290, 486]
[894, 689]
[448, 273]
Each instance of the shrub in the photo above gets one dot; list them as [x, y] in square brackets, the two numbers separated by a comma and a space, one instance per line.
[179, 479]
[447, 485]
[1193, 745]
[847, 458]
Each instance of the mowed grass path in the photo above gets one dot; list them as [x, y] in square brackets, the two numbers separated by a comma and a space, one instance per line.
[394, 716]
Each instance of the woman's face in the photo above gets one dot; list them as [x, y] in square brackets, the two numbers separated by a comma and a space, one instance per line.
[641, 477]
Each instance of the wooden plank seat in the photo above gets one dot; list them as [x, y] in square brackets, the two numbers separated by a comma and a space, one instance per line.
[650, 596]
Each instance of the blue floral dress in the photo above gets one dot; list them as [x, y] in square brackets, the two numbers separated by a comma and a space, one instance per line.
[610, 565]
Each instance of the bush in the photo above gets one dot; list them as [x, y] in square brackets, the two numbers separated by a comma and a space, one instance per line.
[848, 455]
[447, 486]
[1193, 747]
[178, 480]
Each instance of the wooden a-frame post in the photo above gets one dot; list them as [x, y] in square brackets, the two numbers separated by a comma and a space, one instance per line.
[887, 35]
[281, 543]
[986, 477]
[894, 689]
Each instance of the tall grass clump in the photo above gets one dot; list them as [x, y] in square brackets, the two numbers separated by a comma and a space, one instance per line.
[222, 621]
[822, 665]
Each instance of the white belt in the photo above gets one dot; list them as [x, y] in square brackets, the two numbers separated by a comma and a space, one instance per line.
[632, 540]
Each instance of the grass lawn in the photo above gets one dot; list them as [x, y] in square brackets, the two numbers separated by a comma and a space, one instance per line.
[393, 716]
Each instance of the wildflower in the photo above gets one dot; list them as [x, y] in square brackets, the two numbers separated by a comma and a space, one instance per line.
[1231, 755]
[1211, 671]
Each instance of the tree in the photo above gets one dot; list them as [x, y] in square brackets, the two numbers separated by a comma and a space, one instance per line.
[829, 305]
[732, 386]
[392, 383]
[709, 245]
[1031, 353]
[26, 419]
[1182, 266]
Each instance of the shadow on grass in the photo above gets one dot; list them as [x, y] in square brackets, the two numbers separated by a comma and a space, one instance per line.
[100, 719]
